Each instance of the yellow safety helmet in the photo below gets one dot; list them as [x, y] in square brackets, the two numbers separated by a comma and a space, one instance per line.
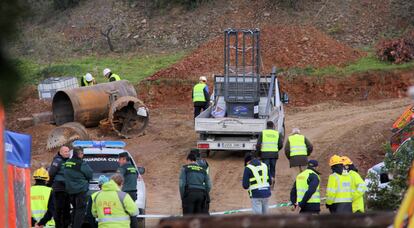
[335, 160]
[41, 174]
[346, 160]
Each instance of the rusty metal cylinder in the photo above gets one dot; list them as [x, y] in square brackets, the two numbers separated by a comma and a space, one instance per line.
[88, 105]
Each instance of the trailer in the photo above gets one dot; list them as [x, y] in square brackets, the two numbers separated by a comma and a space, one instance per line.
[243, 100]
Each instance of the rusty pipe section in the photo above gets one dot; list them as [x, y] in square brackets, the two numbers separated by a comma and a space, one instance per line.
[88, 105]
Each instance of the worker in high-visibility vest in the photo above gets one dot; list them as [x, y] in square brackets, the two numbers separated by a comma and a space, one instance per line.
[200, 96]
[111, 76]
[297, 149]
[405, 215]
[89, 219]
[305, 192]
[338, 190]
[358, 186]
[41, 202]
[257, 181]
[113, 207]
[88, 80]
[268, 145]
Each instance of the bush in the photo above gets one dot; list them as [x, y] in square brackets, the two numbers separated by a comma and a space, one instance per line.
[397, 166]
[397, 50]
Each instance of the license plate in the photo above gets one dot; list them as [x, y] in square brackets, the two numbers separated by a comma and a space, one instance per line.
[232, 145]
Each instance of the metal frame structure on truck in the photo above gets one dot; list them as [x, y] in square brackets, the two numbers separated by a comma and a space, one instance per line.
[241, 85]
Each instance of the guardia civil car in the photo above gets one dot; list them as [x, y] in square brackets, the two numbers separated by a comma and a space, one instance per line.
[102, 157]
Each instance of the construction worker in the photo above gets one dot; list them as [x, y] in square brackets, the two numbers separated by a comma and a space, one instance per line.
[89, 218]
[358, 186]
[61, 200]
[40, 201]
[338, 191]
[297, 149]
[77, 175]
[113, 207]
[268, 145]
[88, 80]
[305, 192]
[405, 215]
[257, 181]
[195, 185]
[110, 76]
[203, 163]
[201, 96]
[130, 175]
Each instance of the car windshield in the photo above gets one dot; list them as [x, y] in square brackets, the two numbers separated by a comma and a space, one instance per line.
[102, 163]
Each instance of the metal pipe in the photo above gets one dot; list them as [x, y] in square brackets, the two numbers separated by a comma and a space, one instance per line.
[88, 105]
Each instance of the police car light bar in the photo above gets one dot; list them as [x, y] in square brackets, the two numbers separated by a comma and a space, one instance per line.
[99, 144]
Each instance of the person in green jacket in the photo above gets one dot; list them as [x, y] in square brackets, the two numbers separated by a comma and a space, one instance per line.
[358, 186]
[113, 207]
[129, 173]
[77, 175]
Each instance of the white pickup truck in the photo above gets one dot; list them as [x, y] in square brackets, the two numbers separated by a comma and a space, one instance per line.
[240, 133]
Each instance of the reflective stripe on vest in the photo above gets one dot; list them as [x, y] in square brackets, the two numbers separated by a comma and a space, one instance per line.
[114, 219]
[198, 93]
[86, 83]
[258, 181]
[270, 139]
[39, 198]
[343, 191]
[302, 187]
[116, 77]
[297, 145]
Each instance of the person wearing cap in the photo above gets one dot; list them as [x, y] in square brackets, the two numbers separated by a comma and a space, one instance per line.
[200, 96]
[129, 173]
[41, 202]
[113, 207]
[268, 145]
[305, 192]
[338, 190]
[358, 186]
[110, 76]
[88, 80]
[194, 185]
[203, 163]
[77, 175]
[89, 218]
[257, 181]
[61, 200]
[297, 149]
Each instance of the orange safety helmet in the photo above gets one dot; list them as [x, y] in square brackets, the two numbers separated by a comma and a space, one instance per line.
[335, 160]
[346, 160]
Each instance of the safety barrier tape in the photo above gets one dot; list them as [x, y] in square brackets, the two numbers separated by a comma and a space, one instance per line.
[218, 213]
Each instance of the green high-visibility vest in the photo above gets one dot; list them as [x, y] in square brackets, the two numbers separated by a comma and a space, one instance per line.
[39, 198]
[270, 139]
[297, 145]
[339, 189]
[198, 93]
[86, 83]
[258, 181]
[302, 187]
[117, 78]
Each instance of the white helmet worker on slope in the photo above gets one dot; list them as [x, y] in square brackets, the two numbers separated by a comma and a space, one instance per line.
[203, 79]
[88, 77]
[106, 72]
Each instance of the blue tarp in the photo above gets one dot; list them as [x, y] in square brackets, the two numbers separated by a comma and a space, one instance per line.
[18, 149]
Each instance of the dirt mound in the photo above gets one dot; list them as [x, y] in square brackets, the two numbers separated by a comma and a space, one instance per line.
[26, 104]
[282, 46]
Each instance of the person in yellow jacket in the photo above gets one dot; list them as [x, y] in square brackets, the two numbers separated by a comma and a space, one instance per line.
[358, 186]
[338, 190]
[200, 96]
[113, 207]
[40, 204]
[111, 76]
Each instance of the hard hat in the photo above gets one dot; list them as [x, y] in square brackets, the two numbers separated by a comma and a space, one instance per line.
[88, 77]
[295, 130]
[335, 160]
[203, 78]
[41, 174]
[106, 71]
[346, 160]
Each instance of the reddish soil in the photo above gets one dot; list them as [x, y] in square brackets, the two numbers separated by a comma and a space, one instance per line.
[281, 46]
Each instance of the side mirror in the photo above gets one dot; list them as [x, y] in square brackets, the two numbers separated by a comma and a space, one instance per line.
[141, 170]
[285, 98]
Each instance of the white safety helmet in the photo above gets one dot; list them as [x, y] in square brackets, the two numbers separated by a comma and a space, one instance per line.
[106, 71]
[203, 78]
[295, 130]
[88, 77]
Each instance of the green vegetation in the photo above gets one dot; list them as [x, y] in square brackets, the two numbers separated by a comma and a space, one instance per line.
[365, 64]
[133, 69]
